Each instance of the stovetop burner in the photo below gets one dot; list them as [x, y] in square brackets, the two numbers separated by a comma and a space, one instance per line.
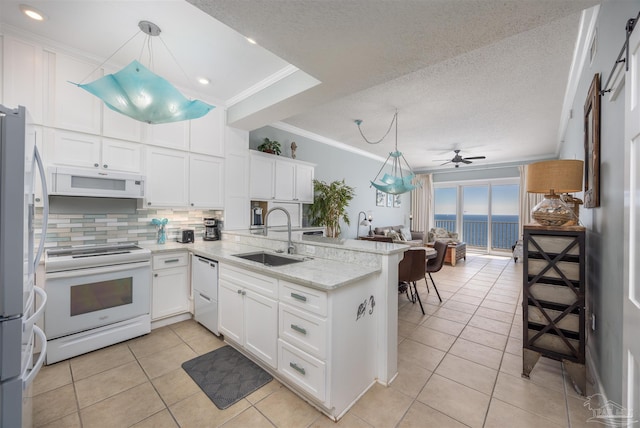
[87, 256]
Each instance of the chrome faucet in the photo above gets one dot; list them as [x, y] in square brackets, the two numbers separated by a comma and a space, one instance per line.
[290, 246]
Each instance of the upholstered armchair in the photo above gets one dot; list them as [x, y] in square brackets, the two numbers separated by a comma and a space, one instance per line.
[442, 234]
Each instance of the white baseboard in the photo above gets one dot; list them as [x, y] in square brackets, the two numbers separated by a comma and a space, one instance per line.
[170, 320]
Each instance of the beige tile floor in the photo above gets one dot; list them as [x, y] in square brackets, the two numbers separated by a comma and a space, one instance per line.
[459, 365]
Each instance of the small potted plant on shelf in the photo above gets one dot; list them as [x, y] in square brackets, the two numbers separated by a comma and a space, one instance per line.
[270, 146]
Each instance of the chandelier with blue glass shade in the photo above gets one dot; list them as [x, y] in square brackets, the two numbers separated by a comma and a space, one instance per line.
[397, 180]
[137, 92]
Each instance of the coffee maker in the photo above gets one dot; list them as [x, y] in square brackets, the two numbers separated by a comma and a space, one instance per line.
[256, 216]
[211, 229]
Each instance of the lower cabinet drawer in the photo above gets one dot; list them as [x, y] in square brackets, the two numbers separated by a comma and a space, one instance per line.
[303, 330]
[170, 260]
[302, 297]
[302, 369]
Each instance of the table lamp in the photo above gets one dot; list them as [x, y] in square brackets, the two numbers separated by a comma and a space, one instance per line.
[366, 221]
[553, 178]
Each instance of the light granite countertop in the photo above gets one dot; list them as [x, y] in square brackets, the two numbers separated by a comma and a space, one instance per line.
[320, 273]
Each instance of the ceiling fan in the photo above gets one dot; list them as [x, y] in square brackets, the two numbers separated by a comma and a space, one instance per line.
[457, 159]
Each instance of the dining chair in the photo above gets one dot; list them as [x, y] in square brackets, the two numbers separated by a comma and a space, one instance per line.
[411, 269]
[435, 264]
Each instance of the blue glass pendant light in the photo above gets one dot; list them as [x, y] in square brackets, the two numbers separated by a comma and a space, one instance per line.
[141, 94]
[399, 181]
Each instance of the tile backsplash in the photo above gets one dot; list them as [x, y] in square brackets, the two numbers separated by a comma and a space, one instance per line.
[80, 229]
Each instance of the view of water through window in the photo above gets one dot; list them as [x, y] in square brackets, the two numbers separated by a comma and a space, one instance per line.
[489, 213]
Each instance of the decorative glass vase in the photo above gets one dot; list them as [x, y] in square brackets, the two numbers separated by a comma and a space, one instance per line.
[162, 236]
[552, 211]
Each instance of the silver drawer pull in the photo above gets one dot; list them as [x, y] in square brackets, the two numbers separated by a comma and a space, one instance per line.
[299, 297]
[297, 368]
[204, 297]
[298, 329]
[172, 261]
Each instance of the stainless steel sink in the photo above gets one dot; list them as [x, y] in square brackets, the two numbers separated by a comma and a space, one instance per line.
[268, 259]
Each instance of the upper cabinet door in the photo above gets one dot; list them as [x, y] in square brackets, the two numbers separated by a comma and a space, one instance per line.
[121, 156]
[304, 183]
[22, 76]
[72, 149]
[174, 135]
[207, 133]
[206, 182]
[262, 185]
[285, 176]
[73, 107]
[167, 177]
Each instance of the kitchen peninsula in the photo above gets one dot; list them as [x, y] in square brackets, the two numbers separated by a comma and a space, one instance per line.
[325, 326]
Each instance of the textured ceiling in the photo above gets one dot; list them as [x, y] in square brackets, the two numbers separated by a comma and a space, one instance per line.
[484, 76]
[487, 77]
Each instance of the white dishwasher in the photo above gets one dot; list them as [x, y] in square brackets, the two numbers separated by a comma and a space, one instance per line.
[204, 280]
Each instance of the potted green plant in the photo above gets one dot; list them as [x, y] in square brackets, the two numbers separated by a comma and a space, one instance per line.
[329, 205]
[270, 146]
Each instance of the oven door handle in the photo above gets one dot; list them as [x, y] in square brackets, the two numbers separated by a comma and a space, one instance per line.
[96, 270]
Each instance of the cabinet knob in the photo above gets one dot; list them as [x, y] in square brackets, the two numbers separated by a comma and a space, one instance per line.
[239, 291]
[155, 274]
[191, 203]
[105, 166]
[96, 165]
[37, 199]
[148, 203]
[244, 293]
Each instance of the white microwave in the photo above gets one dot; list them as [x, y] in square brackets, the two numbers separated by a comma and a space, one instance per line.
[101, 184]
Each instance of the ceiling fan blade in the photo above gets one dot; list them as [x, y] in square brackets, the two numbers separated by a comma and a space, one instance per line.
[476, 157]
[466, 161]
[445, 163]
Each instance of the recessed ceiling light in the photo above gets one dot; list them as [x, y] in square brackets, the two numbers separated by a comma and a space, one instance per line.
[250, 40]
[32, 12]
[203, 81]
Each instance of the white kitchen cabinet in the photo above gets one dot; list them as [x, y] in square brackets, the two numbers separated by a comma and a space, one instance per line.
[90, 151]
[249, 312]
[69, 106]
[304, 183]
[167, 177]
[174, 135]
[303, 335]
[206, 182]
[207, 133]
[121, 156]
[285, 177]
[236, 191]
[280, 179]
[263, 169]
[231, 310]
[261, 327]
[22, 78]
[171, 288]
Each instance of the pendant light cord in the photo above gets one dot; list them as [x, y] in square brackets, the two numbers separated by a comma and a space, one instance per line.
[148, 44]
[395, 119]
[111, 56]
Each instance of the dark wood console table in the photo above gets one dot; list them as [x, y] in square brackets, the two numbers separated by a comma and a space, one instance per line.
[553, 299]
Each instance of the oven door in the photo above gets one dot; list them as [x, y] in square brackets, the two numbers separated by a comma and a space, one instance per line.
[83, 299]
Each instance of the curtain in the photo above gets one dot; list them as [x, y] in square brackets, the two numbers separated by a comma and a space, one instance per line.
[527, 200]
[422, 203]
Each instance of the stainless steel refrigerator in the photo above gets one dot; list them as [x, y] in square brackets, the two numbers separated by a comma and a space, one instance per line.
[20, 309]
